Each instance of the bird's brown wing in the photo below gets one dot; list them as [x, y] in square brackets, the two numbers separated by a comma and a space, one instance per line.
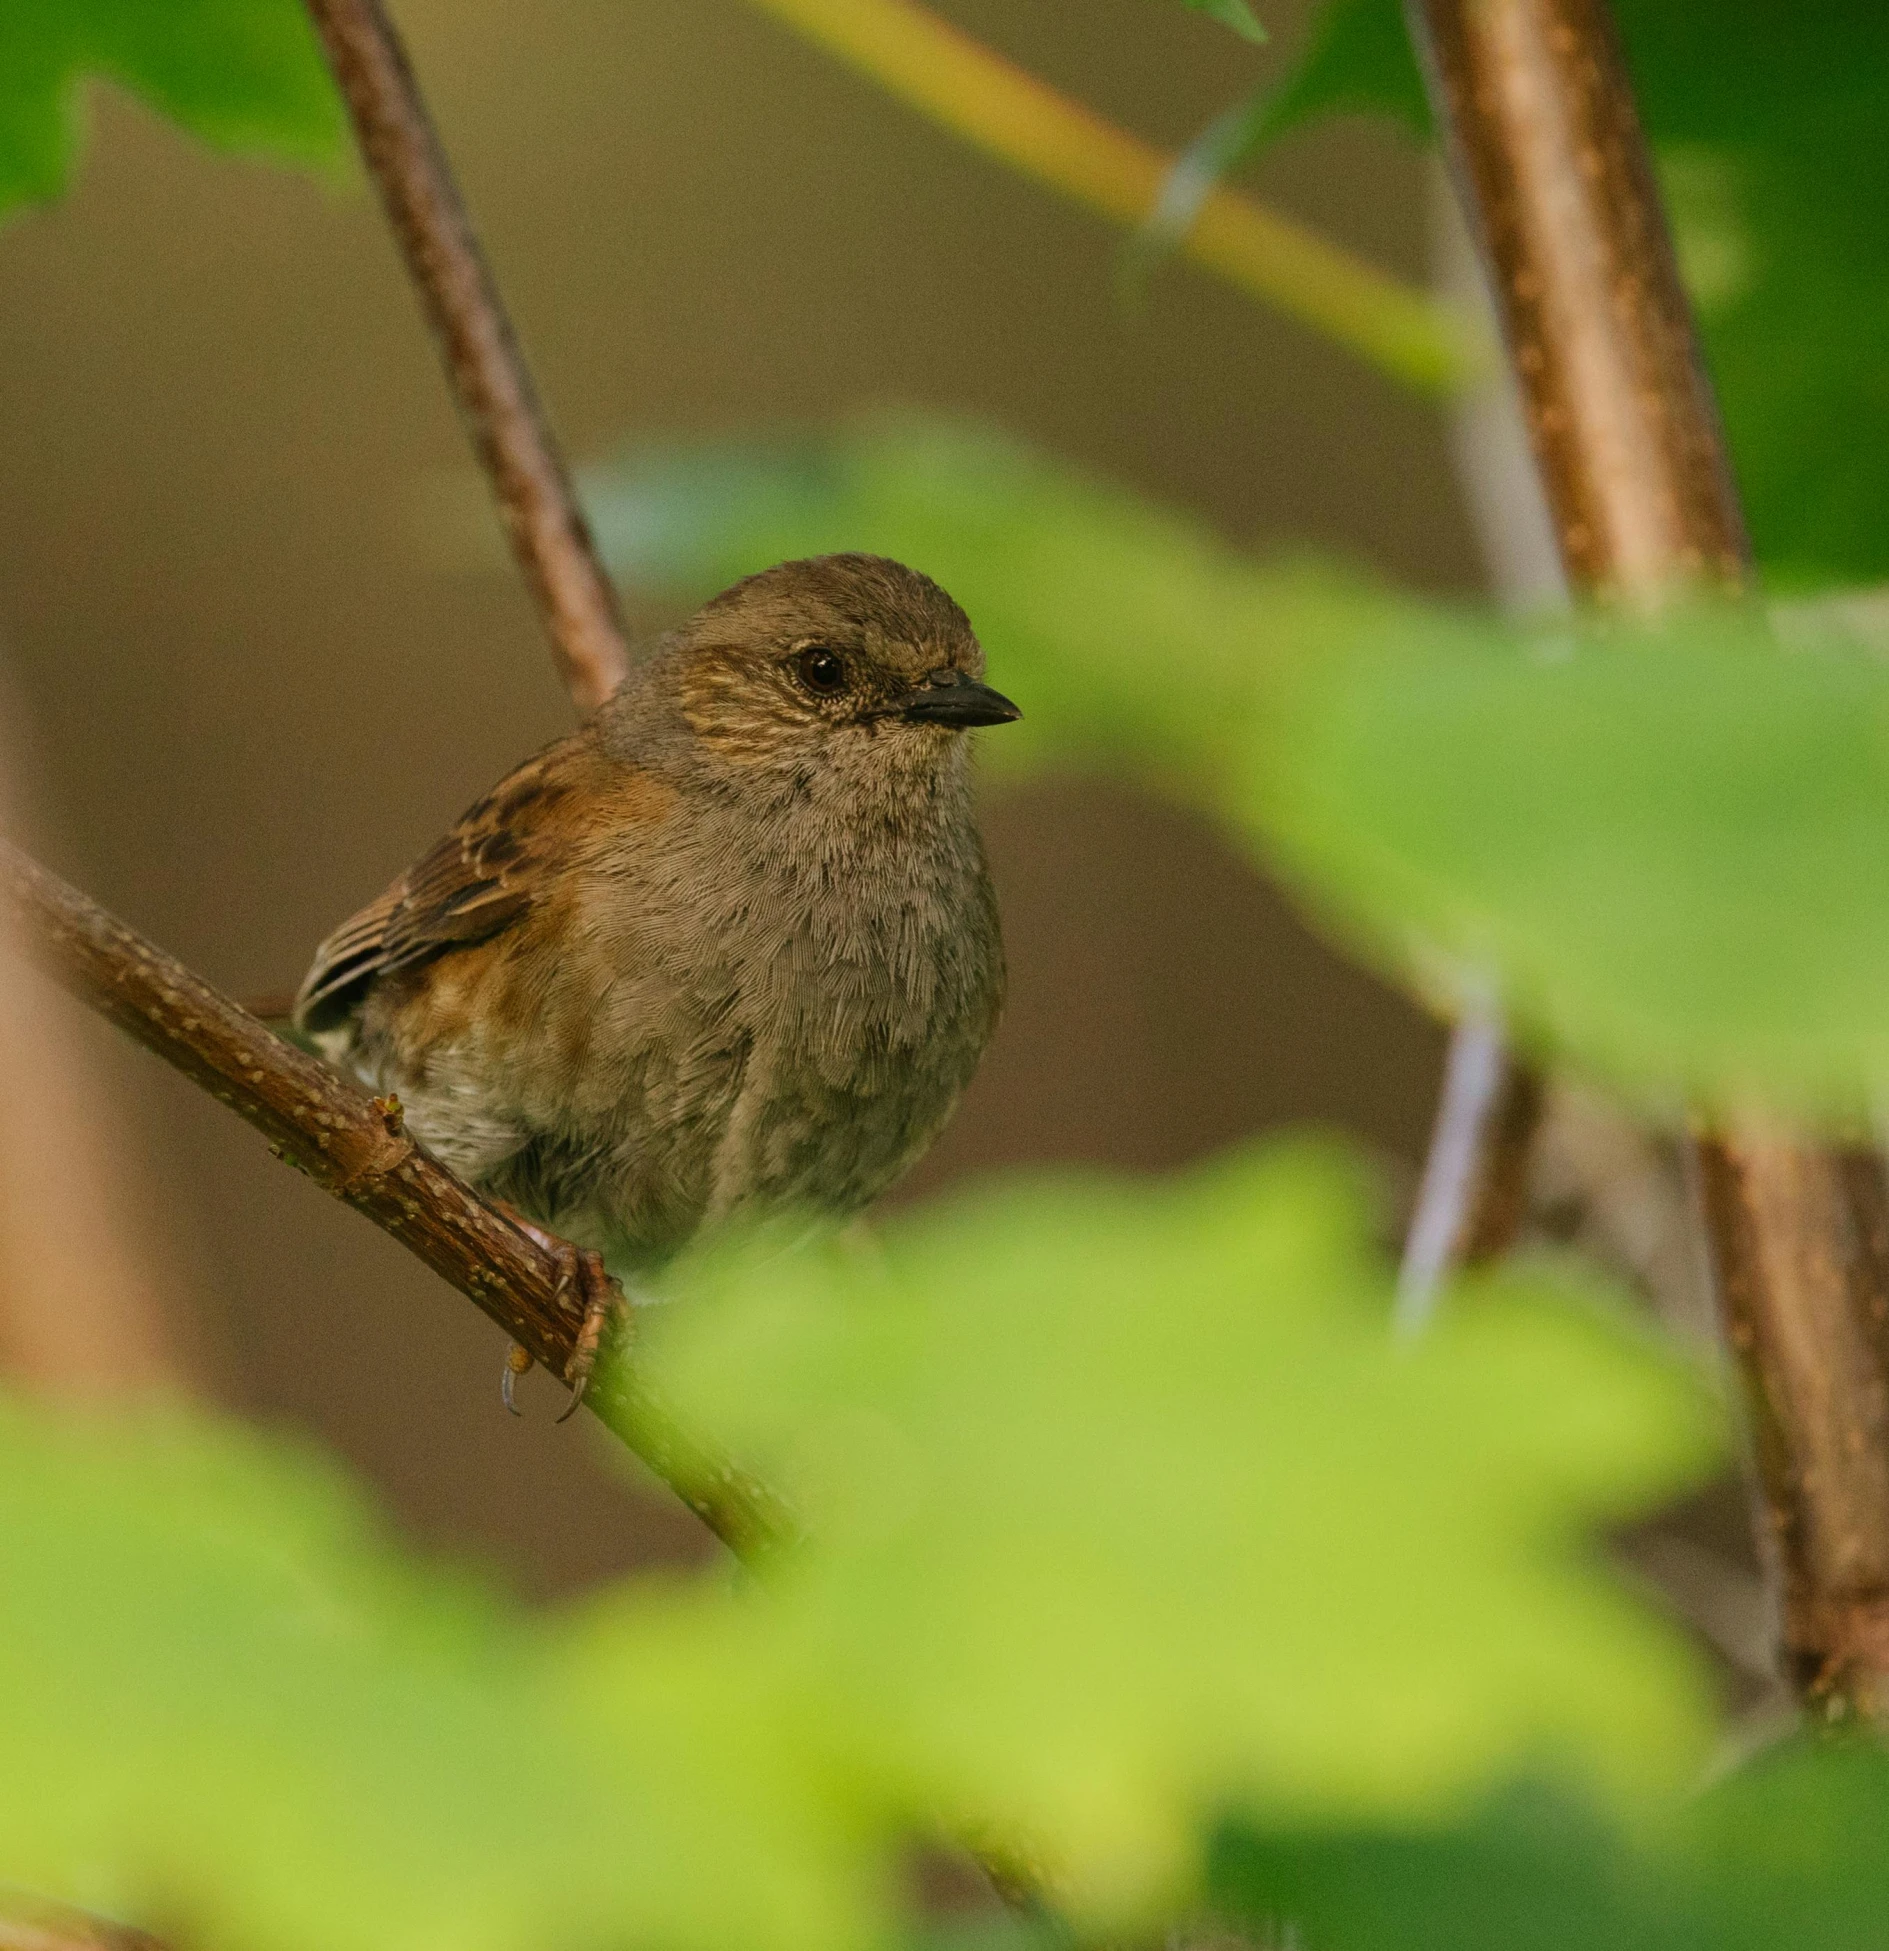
[481, 878]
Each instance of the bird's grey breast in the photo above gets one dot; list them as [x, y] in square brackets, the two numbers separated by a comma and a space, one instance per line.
[844, 974]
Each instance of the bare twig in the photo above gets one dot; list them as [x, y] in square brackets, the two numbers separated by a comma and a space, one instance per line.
[1474, 1194]
[1548, 155]
[1549, 159]
[945, 74]
[488, 374]
[357, 1148]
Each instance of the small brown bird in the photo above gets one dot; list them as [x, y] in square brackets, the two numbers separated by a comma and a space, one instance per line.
[729, 948]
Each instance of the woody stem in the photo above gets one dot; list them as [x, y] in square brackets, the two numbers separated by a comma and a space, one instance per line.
[357, 1148]
[484, 366]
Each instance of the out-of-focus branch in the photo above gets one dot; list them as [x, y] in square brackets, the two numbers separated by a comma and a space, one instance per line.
[1473, 1198]
[357, 1148]
[32, 1924]
[1005, 111]
[1545, 143]
[1474, 1193]
[80, 1314]
[82, 1311]
[488, 374]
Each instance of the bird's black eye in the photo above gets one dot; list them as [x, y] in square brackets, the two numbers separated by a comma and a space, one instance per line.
[822, 671]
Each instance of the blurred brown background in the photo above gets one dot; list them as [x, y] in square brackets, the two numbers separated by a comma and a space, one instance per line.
[250, 696]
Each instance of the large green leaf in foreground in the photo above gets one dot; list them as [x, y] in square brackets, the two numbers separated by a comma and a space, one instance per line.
[243, 74]
[232, 1714]
[1128, 1508]
[1672, 846]
[1668, 848]
[1124, 1509]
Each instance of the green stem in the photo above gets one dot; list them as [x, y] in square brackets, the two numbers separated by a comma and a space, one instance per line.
[1007, 112]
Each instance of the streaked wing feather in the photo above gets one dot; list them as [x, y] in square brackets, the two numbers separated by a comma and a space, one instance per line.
[479, 879]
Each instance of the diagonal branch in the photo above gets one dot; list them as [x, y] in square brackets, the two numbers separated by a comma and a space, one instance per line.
[484, 366]
[357, 1148]
[938, 69]
[1474, 1194]
[29, 1923]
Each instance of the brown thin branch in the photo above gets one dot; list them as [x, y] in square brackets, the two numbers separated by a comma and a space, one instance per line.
[1551, 165]
[357, 1148]
[484, 366]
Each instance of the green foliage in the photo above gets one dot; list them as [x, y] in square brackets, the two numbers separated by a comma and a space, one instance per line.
[1124, 1508]
[1236, 14]
[1356, 60]
[1530, 1868]
[233, 1713]
[243, 74]
[1768, 118]
[1787, 1850]
[1129, 1508]
[1666, 846]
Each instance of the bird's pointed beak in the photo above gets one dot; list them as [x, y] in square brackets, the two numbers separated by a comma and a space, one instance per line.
[948, 697]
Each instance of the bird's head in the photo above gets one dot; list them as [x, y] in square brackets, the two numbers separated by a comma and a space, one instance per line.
[849, 671]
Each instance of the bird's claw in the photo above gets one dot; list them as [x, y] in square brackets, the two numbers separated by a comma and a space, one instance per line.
[517, 1363]
[603, 1305]
[582, 1268]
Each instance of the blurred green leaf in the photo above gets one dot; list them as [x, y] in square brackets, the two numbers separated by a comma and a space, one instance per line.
[1531, 1868]
[1357, 60]
[1236, 14]
[719, 1824]
[1128, 1506]
[1669, 846]
[1775, 110]
[233, 1715]
[1787, 1850]
[242, 74]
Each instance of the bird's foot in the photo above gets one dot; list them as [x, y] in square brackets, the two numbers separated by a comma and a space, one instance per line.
[604, 1308]
[582, 1269]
